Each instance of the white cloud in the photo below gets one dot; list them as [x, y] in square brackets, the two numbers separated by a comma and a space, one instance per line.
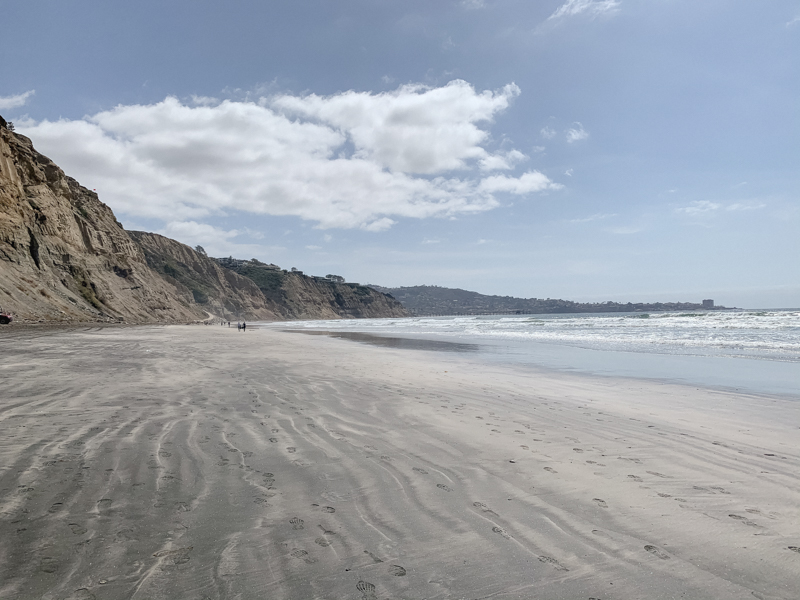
[8, 102]
[595, 217]
[501, 161]
[575, 134]
[313, 247]
[745, 206]
[473, 4]
[355, 159]
[532, 181]
[700, 207]
[568, 172]
[625, 230]
[705, 207]
[548, 133]
[794, 21]
[414, 129]
[592, 8]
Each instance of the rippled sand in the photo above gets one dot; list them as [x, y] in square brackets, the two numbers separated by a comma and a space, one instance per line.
[203, 463]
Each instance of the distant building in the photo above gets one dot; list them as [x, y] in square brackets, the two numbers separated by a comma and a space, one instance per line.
[708, 304]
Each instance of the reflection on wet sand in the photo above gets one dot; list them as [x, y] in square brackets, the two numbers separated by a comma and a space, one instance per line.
[395, 342]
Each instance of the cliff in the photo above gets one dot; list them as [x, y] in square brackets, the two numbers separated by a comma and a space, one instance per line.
[294, 295]
[199, 280]
[64, 256]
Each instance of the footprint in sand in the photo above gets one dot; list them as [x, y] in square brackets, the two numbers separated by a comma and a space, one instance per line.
[322, 542]
[744, 520]
[296, 523]
[291, 449]
[550, 469]
[397, 570]
[681, 500]
[442, 486]
[635, 478]
[77, 529]
[367, 590]
[600, 503]
[502, 532]
[55, 508]
[483, 507]
[48, 564]
[82, 594]
[795, 549]
[554, 562]
[178, 557]
[656, 552]
[664, 495]
[327, 509]
[578, 450]
[104, 503]
[273, 440]
[659, 475]
[525, 447]
[418, 470]
[721, 490]
[302, 555]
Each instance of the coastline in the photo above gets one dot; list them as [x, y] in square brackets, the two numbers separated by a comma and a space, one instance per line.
[156, 462]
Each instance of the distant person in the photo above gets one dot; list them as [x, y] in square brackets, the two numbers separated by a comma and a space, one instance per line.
[239, 326]
[244, 326]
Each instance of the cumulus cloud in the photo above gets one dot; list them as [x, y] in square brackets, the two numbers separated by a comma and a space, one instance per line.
[414, 129]
[8, 102]
[501, 161]
[592, 8]
[577, 133]
[351, 160]
[530, 182]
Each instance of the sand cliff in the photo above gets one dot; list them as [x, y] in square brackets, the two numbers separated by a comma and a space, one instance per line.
[64, 257]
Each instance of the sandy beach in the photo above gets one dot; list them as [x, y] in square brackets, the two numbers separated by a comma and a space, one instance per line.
[202, 463]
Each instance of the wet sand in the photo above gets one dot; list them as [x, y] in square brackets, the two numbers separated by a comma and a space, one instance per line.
[204, 463]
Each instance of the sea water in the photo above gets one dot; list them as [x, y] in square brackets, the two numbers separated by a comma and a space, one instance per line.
[754, 351]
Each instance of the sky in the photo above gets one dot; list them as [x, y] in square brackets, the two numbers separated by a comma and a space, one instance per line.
[592, 150]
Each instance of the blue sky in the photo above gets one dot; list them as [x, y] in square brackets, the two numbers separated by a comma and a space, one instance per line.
[583, 149]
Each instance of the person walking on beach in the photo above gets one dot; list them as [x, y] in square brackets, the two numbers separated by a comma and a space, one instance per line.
[244, 326]
[239, 326]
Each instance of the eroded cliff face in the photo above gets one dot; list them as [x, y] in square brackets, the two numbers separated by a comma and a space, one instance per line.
[311, 298]
[199, 279]
[293, 295]
[64, 256]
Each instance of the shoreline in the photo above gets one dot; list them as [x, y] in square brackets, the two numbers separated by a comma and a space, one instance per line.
[148, 461]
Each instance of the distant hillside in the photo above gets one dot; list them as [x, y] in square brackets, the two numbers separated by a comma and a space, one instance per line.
[435, 300]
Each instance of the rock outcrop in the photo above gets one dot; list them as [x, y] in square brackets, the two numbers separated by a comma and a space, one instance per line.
[65, 258]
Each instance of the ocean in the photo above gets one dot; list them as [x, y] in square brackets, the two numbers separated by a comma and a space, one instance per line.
[751, 350]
